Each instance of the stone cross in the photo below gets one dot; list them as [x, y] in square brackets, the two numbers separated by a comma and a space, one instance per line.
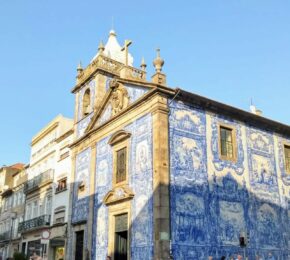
[125, 47]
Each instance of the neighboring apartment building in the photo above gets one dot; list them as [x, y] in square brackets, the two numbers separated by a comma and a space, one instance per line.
[60, 199]
[49, 167]
[12, 179]
[18, 208]
[160, 172]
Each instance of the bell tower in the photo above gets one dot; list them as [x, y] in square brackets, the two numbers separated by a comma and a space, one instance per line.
[114, 101]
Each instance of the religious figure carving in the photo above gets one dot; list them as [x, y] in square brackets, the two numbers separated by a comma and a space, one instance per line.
[120, 97]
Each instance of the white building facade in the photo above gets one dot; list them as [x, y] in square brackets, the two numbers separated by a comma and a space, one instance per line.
[45, 189]
[12, 179]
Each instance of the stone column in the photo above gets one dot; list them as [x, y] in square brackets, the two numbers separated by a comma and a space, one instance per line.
[161, 179]
[91, 198]
[69, 235]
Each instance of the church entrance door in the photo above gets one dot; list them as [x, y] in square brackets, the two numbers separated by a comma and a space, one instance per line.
[121, 237]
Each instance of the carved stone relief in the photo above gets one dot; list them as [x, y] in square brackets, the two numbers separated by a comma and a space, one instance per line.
[119, 98]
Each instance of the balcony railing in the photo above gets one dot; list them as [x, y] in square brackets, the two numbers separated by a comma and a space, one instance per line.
[34, 223]
[5, 236]
[37, 181]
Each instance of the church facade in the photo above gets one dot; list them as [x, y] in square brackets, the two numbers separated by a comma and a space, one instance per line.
[161, 173]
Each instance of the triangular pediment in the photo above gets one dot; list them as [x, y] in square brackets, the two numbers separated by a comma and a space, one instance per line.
[118, 97]
[117, 195]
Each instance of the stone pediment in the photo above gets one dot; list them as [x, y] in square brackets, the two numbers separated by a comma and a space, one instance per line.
[119, 136]
[115, 100]
[117, 195]
[118, 97]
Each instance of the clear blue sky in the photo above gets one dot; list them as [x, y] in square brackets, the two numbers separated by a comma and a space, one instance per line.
[230, 51]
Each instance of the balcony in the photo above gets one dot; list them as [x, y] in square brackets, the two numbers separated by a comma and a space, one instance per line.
[38, 181]
[39, 222]
[5, 236]
[6, 192]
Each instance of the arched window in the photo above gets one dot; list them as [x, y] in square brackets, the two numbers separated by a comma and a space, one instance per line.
[87, 102]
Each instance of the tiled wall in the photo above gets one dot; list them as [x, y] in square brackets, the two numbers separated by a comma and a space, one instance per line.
[80, 205]
[140, 181]
[214, 200]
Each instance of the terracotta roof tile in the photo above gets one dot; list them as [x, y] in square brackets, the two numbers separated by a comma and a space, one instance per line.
[18, 166]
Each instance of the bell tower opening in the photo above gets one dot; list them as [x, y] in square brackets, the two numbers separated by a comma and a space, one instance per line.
[87, 102]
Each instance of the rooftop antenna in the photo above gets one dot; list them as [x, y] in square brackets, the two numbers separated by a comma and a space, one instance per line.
[254, 109]
[112, 22]
[252, 106]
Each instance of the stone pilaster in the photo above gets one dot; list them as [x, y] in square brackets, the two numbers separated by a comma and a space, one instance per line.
[90, 222]
[76, 114]
[69, 235]
[161, 211]
[100, 90]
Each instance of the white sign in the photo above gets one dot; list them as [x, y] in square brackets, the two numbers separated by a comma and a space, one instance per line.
[44, 241]
[45, 234]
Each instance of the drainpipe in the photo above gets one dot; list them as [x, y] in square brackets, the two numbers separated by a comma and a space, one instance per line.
[169, 167]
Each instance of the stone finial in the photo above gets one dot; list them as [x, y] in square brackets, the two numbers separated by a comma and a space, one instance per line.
[101, 47]
[158, 77]
[158, 62]
[79, 68]
[143, 64]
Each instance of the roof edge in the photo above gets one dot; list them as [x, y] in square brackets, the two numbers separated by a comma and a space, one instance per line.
[236, 113]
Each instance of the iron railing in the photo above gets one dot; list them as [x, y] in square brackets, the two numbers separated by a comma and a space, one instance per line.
[38, 180]
[38, 222]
